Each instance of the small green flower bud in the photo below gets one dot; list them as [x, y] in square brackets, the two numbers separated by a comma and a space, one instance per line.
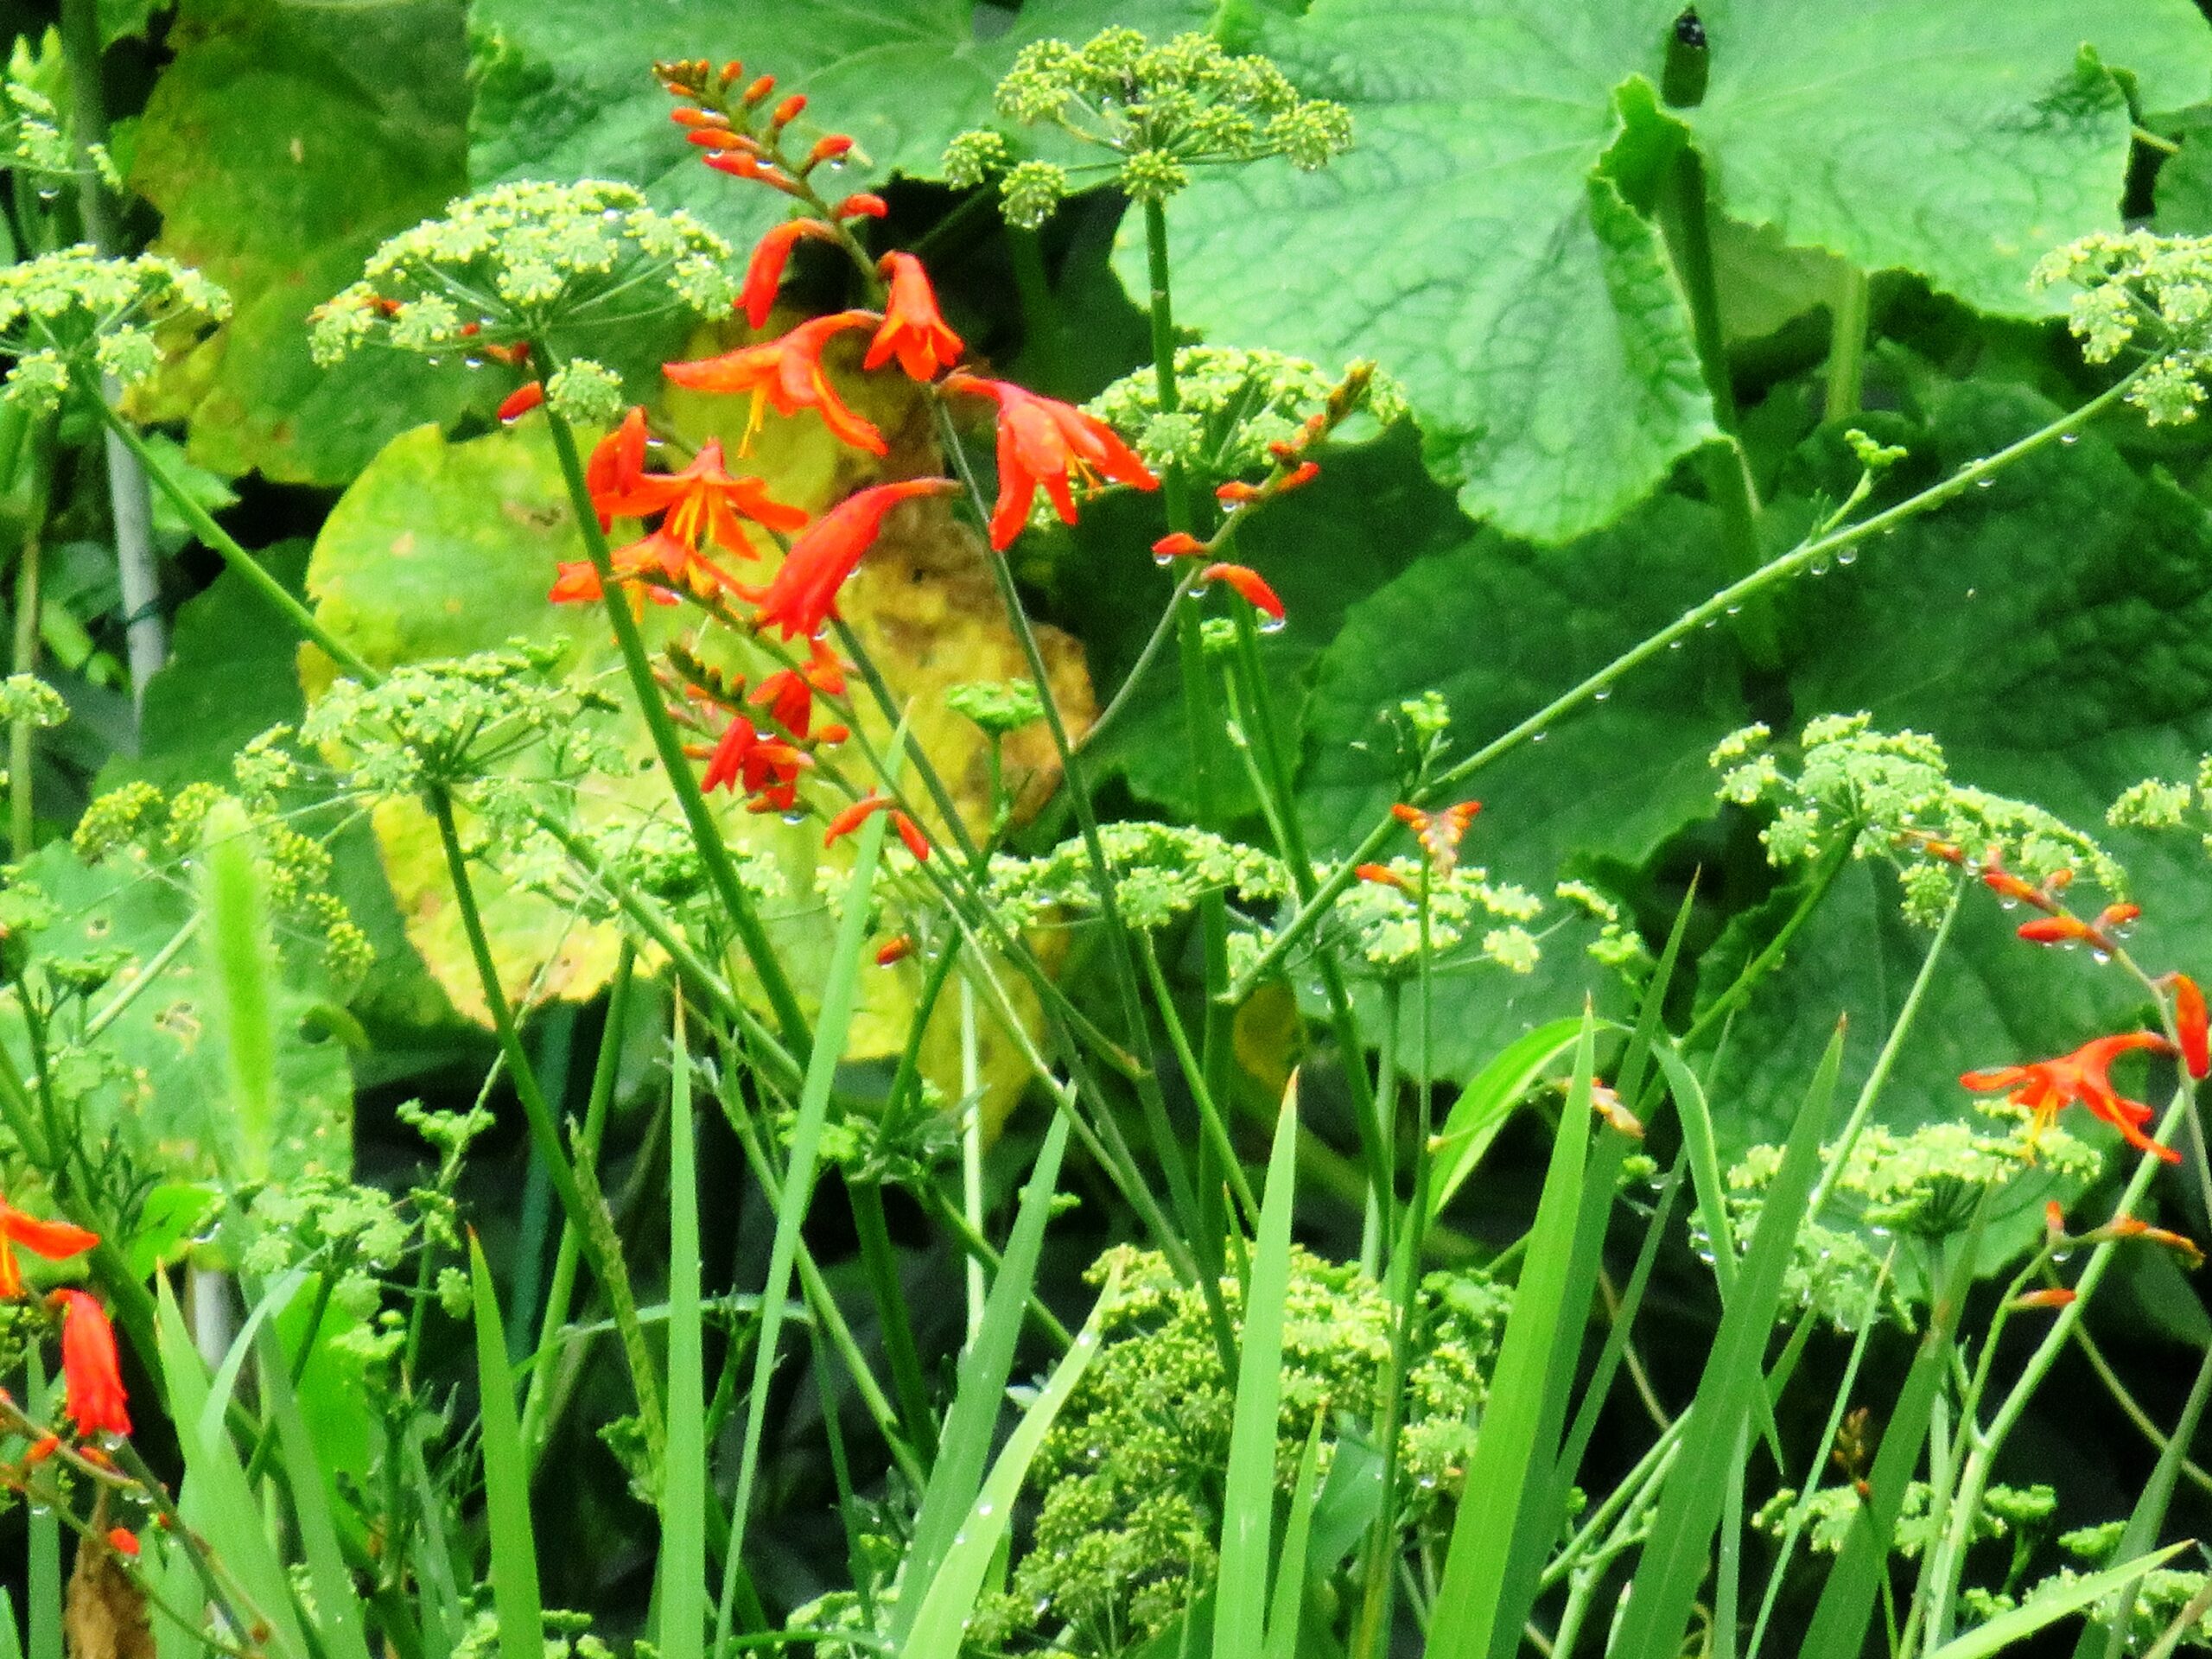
[1152, 175]
[1030, 192]
[585, 393]
[972, 157]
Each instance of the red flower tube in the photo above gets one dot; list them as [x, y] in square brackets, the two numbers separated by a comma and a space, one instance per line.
[912, 330]
[91, 1373]
[802, 596]
[1045, 443]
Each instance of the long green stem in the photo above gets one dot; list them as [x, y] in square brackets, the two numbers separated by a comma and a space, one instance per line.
[560, 1288]
[881, 1265]
[1989, 1442]
[1209, 1118]
[1759, 966]
[714, 853]
[1121, 952]
[214, 535]
[21, 820]
[607, 1265]
[1847, 343]
[1807, 553]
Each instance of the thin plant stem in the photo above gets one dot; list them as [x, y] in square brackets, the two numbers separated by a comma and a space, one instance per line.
[1209, 1118]
[1120, 952]
[1825, 544]
[1989, 1441]
[560, 1286]
[1162, 632]
[880, 1264]
[1846, 342]
[714, 853]
[607, 1265]
[2130, 1408]
[21, 818]
[1764, 963]
[212, 535]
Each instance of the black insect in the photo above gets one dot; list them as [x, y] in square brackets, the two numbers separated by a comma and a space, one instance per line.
[1689, 29]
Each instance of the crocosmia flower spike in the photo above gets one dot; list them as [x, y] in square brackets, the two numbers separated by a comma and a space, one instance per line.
[1047, 443]
[2082, 1078]
[785, 374]
[802, 597]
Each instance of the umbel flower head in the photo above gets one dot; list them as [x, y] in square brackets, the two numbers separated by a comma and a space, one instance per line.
[1162, 109]
[2151, 294]
[520, 262]
[75, 313]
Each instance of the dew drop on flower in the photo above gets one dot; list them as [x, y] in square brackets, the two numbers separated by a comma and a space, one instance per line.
[794, 817]
[1273, 623]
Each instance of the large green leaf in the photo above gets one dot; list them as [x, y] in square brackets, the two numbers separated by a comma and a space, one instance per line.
[1473, 243]
[169, 1072]
[285, 141]
[564, 87]
[1608, 784]
[2055, 632]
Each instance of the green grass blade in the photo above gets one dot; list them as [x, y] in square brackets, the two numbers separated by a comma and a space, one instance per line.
[839, 988]
[506, 1479]
[941, 1625]
[966, 1442]
[1248, 1488]
[683, 1596]
[42, 1578]
[243, 982]
[1635, 1056]
[2008, 1629]
[1840, 1620]
[1699, 1142]
[1484, 1104]
[1287, 1610]
[337, 1606]
[217, 1501]
[1510, 1464]
[440, 1592]
[1674, 1563]
[12, 1636]
[2150, 1514]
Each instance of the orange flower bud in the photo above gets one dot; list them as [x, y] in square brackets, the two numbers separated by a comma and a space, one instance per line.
[686, 116]
[470, 330]
[788, 111]
[892, 950]
[1236, 493]
[41, 1449]
[522, 400]
[2189, 1025]
[2119, 915]
[122, 1541]
[835, 148]
[759, 89]
[732, 70]
[2054, 1218]
[1299, 477]
[2006, 884]
[2058, 881]
[862, 204]
[1249, 585]
[1178, 544]
[739, 165]
[720, 138]
[2035, 1298]
[1381, 875]
[2060, 930]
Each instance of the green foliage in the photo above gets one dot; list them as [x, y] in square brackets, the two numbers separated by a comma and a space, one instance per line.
[73, 316]
[1124, 1538]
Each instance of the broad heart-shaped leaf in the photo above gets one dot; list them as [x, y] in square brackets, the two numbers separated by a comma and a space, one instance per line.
[1500, 628]
[2055, 632]
[564, 87]
[442, 548]
[168, 1074]
[285, 141]
[231, 676]
[1470, 242]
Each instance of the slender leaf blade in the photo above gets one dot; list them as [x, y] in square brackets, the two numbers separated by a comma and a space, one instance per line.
[682, 1600]
[506, 1479]
[1487, 1099]
[1248, 1488]
[2008, 1629]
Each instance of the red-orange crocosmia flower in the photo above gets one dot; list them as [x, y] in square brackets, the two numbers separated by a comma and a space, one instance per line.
[2047, 1298]
[1440, 831]
[91, 1372]
[705, 502]
[862, 204]
[1248, 585]
[2008, 887]
[1045, 442]
[764, 273]
[764, 767]
[1381, 875]
[802, 596]
[2082, 1078]
[54, 1240]
[123, 1540]
[1235, 493]
[860, 810]
[1178, 544]
[1298, 477]
[894, 949]
[522, 400]
[2060, 930]
[618, 461]
[786, 374]
[913, 331]
[2189, 1024]
[788, 693]
[2120, 915]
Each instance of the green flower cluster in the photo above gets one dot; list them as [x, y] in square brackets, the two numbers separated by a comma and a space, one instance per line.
[2006, 1512]
[2160, 1594]
[1162, 109]
[1923, 1183]
[462, 725]
[1124, 1536]
[1380, 925]
[296, 870]
[2155, 804]
[1232, 403]
[1890, 793]
[76, 316]
[27, 697]
[1000, 707]
[511, 267]
[1161, 871]
[2152, 294]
